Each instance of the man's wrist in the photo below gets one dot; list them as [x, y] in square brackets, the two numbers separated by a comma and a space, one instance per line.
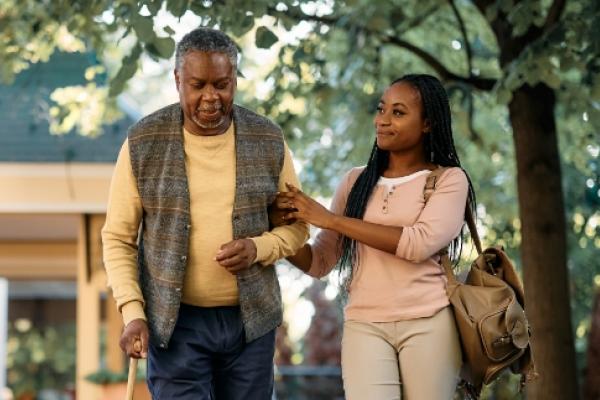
[264, 248]
[132, 310]
[253, 250]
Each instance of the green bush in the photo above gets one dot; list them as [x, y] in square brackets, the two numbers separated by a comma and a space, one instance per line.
[105, 376]
[40, 358]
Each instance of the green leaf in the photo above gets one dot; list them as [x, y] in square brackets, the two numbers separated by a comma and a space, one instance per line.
[169, 30]
[298, 55]
[491, 12]
[552, 80]
[595, 90]
[531, 74]
[378, 23]
[199, 8]
[128, 68]
[177, 7]
[503, 95]
[153, 6]
[162, 47]
[126, 33]
[505, 5]
[265, 38]
[143, 27]
[117, 84]
[287, 22]
[246, 24]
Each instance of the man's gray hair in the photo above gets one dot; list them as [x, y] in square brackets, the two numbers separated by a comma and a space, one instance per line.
[206, 40]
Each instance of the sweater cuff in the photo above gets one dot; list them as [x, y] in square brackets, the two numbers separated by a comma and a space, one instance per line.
[264, 248]
[132, 310]
[406, 246]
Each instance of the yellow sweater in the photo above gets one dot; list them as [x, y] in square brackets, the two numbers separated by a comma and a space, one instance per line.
[210, 165]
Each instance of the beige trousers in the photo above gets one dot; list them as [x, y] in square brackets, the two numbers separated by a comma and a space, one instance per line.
[417, 359]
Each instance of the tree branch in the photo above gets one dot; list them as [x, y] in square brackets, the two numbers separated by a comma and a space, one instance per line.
[463, 31]
[485, 84]
[554, 14]
[446, 75]
[418, 20]
[469, 53]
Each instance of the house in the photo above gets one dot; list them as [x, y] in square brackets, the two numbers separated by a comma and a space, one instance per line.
[53, 196]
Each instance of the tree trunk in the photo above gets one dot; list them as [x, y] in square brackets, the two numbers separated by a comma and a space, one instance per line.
[543, 248]
[591, 386]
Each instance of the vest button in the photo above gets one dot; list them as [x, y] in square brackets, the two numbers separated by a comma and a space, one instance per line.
[236, 217]
[183, 258]
[188, 226]
[162, 345]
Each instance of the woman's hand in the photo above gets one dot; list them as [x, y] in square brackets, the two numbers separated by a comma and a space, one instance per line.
[304, 208]
[279, 209]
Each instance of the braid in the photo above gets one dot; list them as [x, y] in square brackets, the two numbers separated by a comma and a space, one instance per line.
[355, 208]
[436, 110]
[439, 146]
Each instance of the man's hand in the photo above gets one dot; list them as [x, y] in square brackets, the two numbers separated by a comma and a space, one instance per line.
[237, 255]
[135, 331]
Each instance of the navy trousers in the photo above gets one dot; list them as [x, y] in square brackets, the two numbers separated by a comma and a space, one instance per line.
[208, 359]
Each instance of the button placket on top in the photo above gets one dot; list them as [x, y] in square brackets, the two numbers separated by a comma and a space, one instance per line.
[387, 192]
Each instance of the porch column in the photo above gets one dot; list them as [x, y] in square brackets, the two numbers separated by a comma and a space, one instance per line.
[115, 360]
[88, 315]
[3, 330]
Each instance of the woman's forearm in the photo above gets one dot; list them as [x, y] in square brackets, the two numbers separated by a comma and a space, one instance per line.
[381, 237]
[303, 258]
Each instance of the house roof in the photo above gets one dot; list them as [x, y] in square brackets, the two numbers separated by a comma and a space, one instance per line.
[24, 129]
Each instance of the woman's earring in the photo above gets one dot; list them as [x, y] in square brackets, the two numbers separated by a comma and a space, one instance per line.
[430, 147]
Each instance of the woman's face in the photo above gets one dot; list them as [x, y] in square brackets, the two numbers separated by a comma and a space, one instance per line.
[399, 122]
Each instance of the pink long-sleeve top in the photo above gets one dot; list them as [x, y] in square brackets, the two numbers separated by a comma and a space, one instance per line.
[411, 283]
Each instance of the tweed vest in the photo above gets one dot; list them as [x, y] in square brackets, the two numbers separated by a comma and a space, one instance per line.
[158, 163]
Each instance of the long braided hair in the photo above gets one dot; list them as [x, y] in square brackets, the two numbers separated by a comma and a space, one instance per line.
[439, 149]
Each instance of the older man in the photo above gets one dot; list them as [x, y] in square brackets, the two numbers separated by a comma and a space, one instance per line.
[197, 287]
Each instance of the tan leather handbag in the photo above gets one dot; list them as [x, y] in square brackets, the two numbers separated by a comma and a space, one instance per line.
[489, 311]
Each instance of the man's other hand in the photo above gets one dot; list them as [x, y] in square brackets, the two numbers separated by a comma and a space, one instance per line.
[237, 255]
[134, 340]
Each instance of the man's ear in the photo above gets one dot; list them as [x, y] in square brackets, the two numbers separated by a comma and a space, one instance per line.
[176, 73]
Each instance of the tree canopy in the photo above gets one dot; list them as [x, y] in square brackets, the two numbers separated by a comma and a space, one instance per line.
[334, 58]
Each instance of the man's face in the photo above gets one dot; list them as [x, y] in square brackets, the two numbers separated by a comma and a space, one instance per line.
[206, 83]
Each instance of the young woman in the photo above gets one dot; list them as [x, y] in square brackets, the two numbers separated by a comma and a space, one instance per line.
[400, 339]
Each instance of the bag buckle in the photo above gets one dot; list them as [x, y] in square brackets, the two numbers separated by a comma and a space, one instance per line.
[501, 341]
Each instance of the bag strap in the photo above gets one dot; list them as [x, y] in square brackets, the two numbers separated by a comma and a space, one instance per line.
[526, 363]
[428, 190]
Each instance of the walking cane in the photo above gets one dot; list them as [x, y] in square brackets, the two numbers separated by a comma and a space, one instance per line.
[133, 362]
